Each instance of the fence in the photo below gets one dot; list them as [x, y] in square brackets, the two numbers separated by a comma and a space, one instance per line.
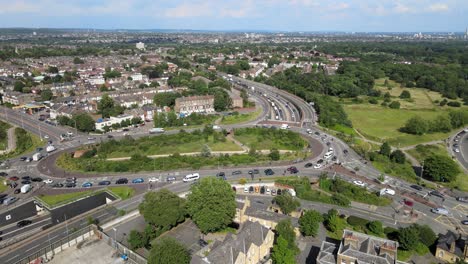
[48, 252]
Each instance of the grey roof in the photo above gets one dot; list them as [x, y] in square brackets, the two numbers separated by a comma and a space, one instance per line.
[229, 249]
[327, 254]
[450, 237]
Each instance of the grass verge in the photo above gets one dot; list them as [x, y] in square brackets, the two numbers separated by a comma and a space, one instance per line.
[240, 118]
[59, 199]
[124, 192]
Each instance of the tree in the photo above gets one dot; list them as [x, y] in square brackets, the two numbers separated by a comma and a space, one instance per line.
[394, 105]
[415, 125]
[285, 229]
[163, 209]
[18, 86]
[426, 235]
[408, 238]
[274, 154]
[46, 95]
[440, 168]
[375, 227]
[281, 252]
[309, 222]
[211, 204]
[206, 151]
[457, 118]
[168, 250]
[405, 95]
[385, 149]
[52, 69]
[398, 156]
[107, 107]
[440, 124]
[136, 240]
[84, 122]
[286, 202]
[77, 60]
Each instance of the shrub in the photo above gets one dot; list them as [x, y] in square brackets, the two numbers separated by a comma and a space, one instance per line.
[454, 104]
[373, 101]
[357, 221]
[394, 105]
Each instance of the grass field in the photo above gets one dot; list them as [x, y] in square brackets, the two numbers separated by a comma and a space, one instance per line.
[261, 138]
[4, 137]
[422, 152]
[124, 192]
[54, 200]
[240, 118]
[3, 187]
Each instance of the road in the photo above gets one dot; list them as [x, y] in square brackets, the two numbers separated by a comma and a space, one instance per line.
[459, 142]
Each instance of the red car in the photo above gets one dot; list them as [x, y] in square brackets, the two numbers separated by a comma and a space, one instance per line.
[408, 203]
[14, 178]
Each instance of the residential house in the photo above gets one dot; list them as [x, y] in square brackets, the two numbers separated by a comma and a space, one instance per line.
[195, 104]
[356, 247]
[451, 247]
[17, 98]
[57, 110]
[101, 123]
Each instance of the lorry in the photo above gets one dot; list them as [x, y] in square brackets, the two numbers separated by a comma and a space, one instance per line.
[50, 148]
[156, 130]
[37, 156]
[25, 188]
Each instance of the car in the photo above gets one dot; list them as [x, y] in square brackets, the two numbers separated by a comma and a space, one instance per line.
[87, 185]
[104, 183]
[28, 159]
[48, 181]
[70, 185]
[334, 158]
[110, 136]
[25, 182]
[408, 203]
[23, 223]
[246, 189]
[359, 183]
[171, 178]
[317, 133]
[328, 143]
[9, 200]
[320, 161]
[36, 179]
[57, 185]
[416, 187]
[462, 199]
[23, 158]
[437, 194]
[202, 243]
[387, 191]
[256, 171]
[153, 179]
[69, 133]
[91, 138]
[237, 172]
[292, 169]
[221, 174]
[72, 179]
[464, 222]
[273, 192]
[251, 189]
[138, 180]
[39, 149]
[14, 178]
[17, 191]
[318, 166]
[3, 174]
[122, 181]
[262, 190]
[456, 150]
[269, 172]
[308, 165]
[46, 136]
[440, 210]
[26, 178]
[279, 192]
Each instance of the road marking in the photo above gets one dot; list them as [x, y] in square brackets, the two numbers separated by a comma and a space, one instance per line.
[33, 224]
[8, 260]
[31, 248]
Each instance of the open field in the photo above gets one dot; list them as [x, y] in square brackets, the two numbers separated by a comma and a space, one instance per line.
[240, 118]
[261, 138]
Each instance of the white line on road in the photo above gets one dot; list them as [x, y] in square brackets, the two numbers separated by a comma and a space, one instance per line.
[8, 260]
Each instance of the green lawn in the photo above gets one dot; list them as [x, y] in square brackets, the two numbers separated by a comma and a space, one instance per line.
[124, 192]
[3, 135]
[54, 200]
[262, 138]
[3, 187]
[382, 124]
[240, 118]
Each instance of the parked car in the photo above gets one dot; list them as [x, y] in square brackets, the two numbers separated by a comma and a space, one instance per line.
[251, 189]
[138, 180]
[359, 183]
[462, 199]
[23, 158]
[292, 169]
[57, 185]
[110, 136]
[17, 191]
[246, 189]
[273, 192]
[440, 210]
[104, 183]
[318, 166]
[171, 178]
[26, 178]
[153, 179]
[464, 222]
[122, 181]
[279, 192]
[262, 190]
[70, 185]
[25, 182]
[9, 200]
[87, 185]
[269, 172]
[14, 178]
[23, 223]
[48, 181]
[72, 179]
[36, 179]
[221, 174]
[3, 174]
[308, 165]
[437, 194]
[416, 187]
[237, 172]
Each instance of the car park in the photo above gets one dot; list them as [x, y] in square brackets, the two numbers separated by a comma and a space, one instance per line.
[153, 179]
[104, 183]
[138, 180]
[87, 185]
[23, 223]
[417, 187]
[122, 181]
[308, 165]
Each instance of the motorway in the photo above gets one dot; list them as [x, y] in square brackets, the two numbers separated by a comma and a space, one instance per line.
[298, 113]
[459, 142]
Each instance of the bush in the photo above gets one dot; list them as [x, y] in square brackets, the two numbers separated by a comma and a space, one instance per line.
[454, 104]
[375, 227]
[405, 95]
[394, 105]
[357, 221]
[373, 101]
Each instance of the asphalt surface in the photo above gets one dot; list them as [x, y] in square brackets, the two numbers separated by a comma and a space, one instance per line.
[461, 139]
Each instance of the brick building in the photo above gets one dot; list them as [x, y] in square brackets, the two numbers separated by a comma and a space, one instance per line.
[195, 104]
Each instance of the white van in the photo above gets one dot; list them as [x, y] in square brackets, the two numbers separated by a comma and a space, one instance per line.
[191, 177]
[440, 210]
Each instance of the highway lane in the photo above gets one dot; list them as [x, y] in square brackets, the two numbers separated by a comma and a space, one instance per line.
[459, 141]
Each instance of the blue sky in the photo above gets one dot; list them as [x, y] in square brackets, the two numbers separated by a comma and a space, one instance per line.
[289, 15]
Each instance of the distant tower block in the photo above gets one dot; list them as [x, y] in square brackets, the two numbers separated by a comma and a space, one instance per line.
[466, 34]
[140, 45]
[34, 33]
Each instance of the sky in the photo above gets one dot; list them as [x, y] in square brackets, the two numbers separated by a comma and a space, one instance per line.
[273, 15]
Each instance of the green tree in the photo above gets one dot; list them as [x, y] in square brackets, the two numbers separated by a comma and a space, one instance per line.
[163, 209]
[457, 118]
[84, 122]
[309, 222]
[136, 240]
[286, 202]
[394, 105]
[274, 154]
[46, 95]
[408, 238]
[282, 253]
[18, 86]
[206, 151]
[77, 60]
[168, 250]
[416, 125]
[426, 235]
[375, 227]
[405, 95]
[440, 124]
[398, 156]
[106, 106]
[285, 229]
[385, 149]
[211, 203]
[52, 69]
[440, 168]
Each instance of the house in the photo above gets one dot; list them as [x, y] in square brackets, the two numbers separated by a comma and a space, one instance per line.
[101, 123]
[451, 247]
[356, 247]
[57, 110]
[17, 98]
[195, 104]
[251, 245]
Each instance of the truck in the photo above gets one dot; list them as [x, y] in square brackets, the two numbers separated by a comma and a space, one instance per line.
[50, 148]
[37, 156]
[156, 130]
[25, 188]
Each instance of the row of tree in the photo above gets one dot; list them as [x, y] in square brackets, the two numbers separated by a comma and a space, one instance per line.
[442, 123]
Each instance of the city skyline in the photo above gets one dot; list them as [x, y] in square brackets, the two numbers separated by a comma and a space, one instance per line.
[262, 15]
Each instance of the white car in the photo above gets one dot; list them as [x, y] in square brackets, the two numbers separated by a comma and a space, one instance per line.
[153, 179]
[387, 191]
[456, 150]
[48, 181]
[46, 136]
[317, 166]
[359, 183]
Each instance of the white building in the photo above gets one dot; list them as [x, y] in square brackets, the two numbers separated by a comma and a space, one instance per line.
[140, 45]
[112, 120]
[137, 77]
[96, 80]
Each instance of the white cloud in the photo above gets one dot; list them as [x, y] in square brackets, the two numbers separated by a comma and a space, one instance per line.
[19, 7]
[401, 8]
[438, 7]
